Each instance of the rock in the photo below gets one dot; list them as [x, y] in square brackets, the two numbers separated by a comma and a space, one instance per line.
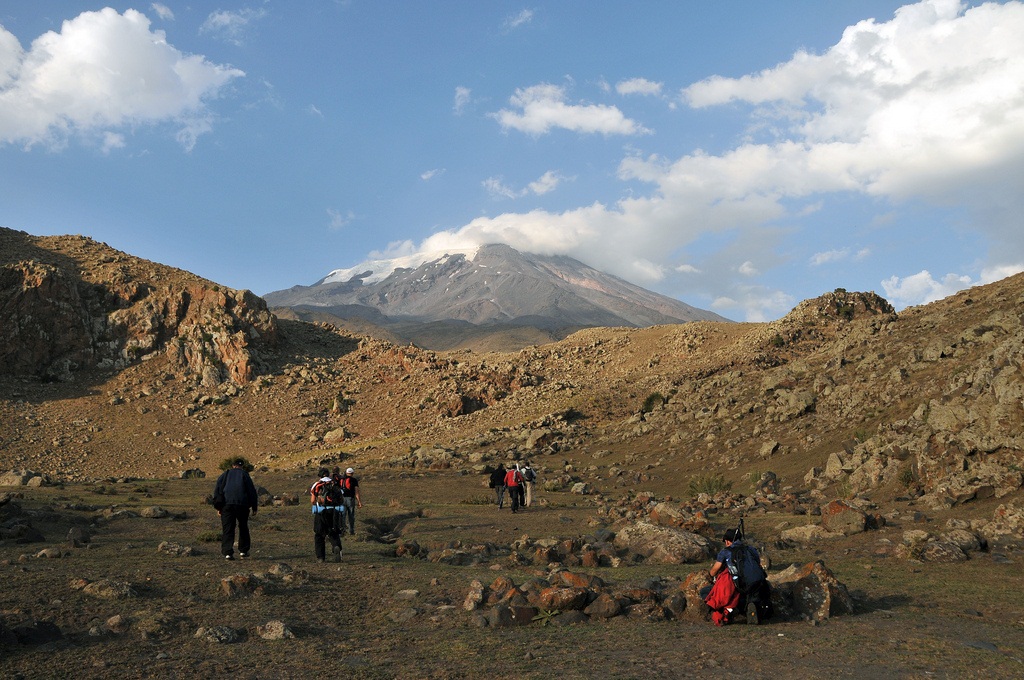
[50, 553]
[37, 633]
[841, 518]
[942, 551]
[580, 488]
[110, 589]
[810, 592]
[963, 539]
[175, 550]
[569, 618]
[118, 624]
[768, 485]
[240, 585]
[604, 607]
[274, 630]
[78, 537]
[19, 478]
[664, 545]
[563, 599]
[153, 512]
[408, 594]
[696, 608]
[218, 635]
[194, 473]
[499, 616]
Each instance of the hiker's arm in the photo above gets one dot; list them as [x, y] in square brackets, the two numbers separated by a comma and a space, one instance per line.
[715, 568]
[359, 499]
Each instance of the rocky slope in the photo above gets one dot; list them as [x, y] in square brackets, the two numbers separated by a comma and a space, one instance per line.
[842, 397]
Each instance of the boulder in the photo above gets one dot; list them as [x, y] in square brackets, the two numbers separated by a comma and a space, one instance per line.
[274, 630]
[604, 607]
[218, 635]
[110, 589]
[841, 518]
[809, 592]
[664, 545]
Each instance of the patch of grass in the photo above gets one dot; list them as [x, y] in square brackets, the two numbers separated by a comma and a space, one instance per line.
[710, 484]
[653, 401]
[229, 462]
[209, 537]
[478, 500]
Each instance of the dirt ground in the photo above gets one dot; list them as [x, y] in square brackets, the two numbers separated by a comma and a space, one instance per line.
[912, 619]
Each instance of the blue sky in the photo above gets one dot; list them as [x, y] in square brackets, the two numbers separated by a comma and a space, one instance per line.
[739, 156]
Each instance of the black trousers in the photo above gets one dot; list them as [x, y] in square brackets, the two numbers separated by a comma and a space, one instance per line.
[327, 525]
[229, 516]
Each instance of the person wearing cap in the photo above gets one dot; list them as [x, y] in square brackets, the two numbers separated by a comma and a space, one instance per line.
[235, 494]
[350, 492]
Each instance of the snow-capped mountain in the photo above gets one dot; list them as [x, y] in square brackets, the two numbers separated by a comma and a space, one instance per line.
[491, 285]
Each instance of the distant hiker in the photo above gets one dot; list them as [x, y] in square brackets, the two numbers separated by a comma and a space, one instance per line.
[514, 482]
[742, 563]
[350, 492]
[529, 477]
[328, 507]
[498, 484]
[233, 497]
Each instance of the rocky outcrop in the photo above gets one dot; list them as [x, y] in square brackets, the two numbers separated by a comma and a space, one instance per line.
[76, 305]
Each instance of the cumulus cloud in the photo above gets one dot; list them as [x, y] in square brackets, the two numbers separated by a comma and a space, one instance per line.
[232, 26]
[638, 86]
[540, 108]
[922, 288]
[926, 107]
[431, 174]
[103, 71]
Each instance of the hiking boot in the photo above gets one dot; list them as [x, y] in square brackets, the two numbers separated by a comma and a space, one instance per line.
[243, 555]
[337, 553]
[229, 557]
[752, 617]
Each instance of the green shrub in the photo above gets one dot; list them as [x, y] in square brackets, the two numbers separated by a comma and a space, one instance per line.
[209, 537]
[778, 341]
[229, 462]
[653, 401]
[709, 484]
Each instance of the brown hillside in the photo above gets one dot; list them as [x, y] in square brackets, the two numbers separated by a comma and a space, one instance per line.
[152, 371]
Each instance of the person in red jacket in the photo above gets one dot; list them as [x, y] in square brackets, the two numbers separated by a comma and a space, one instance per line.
[514, 481]
[723, 598]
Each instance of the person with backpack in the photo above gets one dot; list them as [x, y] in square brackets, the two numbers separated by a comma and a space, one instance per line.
[514, 481]
[497, 483]
[350, 493]
[529, 477]
[233, 497]
[328, 507]
[743, 564]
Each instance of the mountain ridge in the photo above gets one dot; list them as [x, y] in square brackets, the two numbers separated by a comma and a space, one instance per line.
[492, 286]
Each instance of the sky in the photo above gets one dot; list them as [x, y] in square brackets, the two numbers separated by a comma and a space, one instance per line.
[739, 156]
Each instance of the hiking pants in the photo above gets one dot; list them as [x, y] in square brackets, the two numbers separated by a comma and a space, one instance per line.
[529, 494]
[350, 514]
[326, 525]
[229, 516]
[513, 496]
[500, 491]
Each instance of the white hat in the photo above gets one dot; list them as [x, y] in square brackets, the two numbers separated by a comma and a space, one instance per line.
[349, 471]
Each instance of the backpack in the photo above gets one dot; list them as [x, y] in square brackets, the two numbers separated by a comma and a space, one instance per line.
[750, 579]
[327, 494]
[529, 475]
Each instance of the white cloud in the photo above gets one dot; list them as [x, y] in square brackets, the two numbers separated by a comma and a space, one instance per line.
[827, 256]
[922, 288]
[687, 269]
[543, 107]
[111, 141]
[638, 86]
[431, 174]
[516, 20]
[315, 111]
[338, 219]
[546, 183]
[462, 99]
[163, 11]
[748, 269]
[101, 72]
[231, 26]
[926, 107]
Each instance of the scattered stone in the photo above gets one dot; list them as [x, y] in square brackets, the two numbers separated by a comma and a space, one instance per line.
[274, 630]
[109, 589]
[218, 635]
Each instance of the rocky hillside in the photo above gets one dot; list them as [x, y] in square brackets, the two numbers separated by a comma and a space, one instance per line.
[842, 397]
[69, 304]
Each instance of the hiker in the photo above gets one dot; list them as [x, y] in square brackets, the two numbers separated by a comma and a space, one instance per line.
[514, 481]
[350, 493]
[742, 563]
[498, 484]
[328, 506]
[233, 497]
[529, 477]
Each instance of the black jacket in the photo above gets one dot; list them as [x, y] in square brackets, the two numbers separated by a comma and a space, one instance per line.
[236, 487]
[498, 477]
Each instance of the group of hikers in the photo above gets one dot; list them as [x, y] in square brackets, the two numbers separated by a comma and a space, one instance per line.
[739, 582]
[517, 482]
[333, 498]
